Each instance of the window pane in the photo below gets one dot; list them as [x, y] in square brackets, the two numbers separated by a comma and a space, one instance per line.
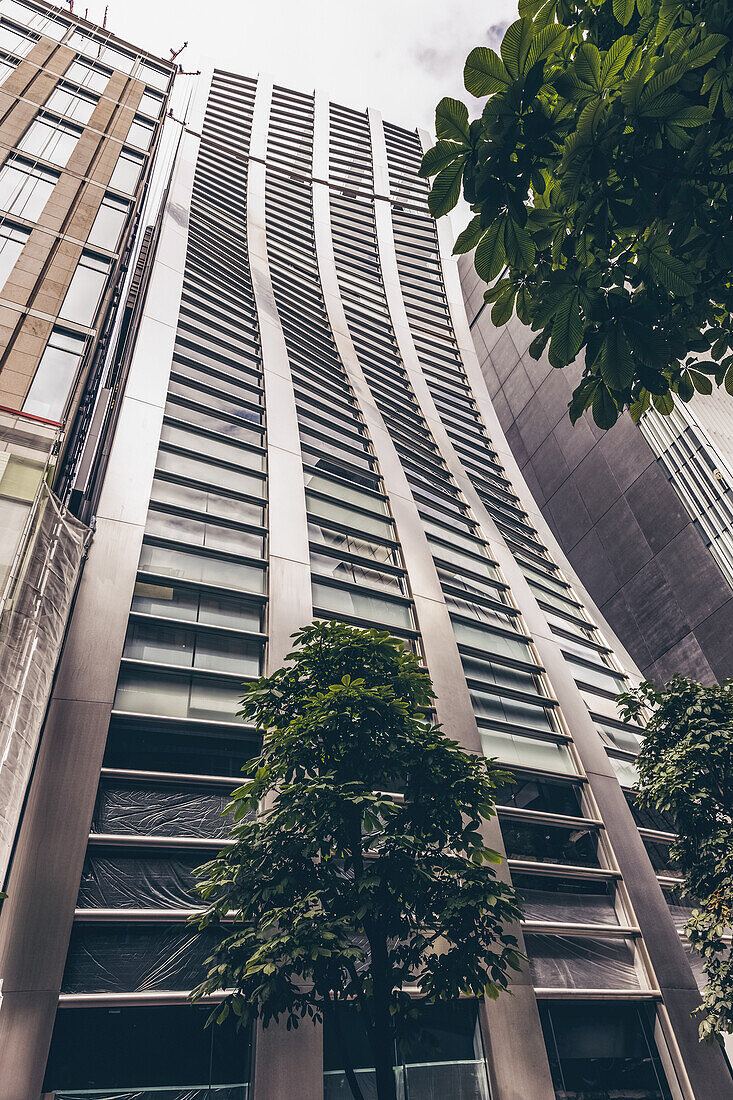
[186, 603]
[127, 172]
[206, 501]
[549, 843]
[12, 241]
[140, 134]
[71, 105]
[54, 377]
[362, 605]
[194, 532]
[570, 900]
[49, 141]
[108, 224]
[97, 51]
[509, 748]
[15, 41]
[352, 544]
[24, 190]
[177, 696]
[178, 646]
[181, 565]
[330, 566]
[564, 962]
[239, 481]
[155, 77]
[345, 493]
[151, 104]
[212, 448]
[85, 290]
[511, 711]
[329, 509]
[486, 640]
[29, 17]
[87, 76]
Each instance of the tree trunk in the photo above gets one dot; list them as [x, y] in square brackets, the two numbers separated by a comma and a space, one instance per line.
[381, 1033]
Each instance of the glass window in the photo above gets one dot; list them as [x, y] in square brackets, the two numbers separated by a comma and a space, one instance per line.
[362, 605]
[140, 134]
[88, 76]
[352, 544]
[98, 51]
[85, 289]
[328, 565]
[12, 240]
[6, 68]
[71, 104]
[241, 430]
[482, 639]
[626, 739]
[24, 190]
[448, 553]
[108, 224]
[189, 649]
[29, 17]
[127, 171]
[626, 771]
[530, 752]
[606, 679]
[195, 532]
[182, 565]
[339, 513]
[174, 602]
[14, 41]
[49, 140]
[175, 695]
[549, 843]
[440, 1057]
[497, 708]
[238, 481]
[207, 502]
[151, 104]
[345, 493]
[54, 376]
[155, 77]
[603, 1049]
[211, 447]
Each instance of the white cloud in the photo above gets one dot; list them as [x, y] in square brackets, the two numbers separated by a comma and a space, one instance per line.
[400, 56]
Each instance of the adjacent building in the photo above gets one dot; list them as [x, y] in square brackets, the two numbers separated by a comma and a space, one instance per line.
[644, 514]
[304, 431]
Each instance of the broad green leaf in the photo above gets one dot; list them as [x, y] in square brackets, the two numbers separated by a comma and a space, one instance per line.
[672, 273]
[567, 330]
[446, 189]
[605, 410]
[439, 157]
[520, 248]
[470, 237]
[491, 254]
[663, 403]
[544, 42]
[484, 72]
[451, 120]
[515, 47]
[701, 382]
[615, 58]
[728, 383]
[588, 65]
[503, 307]
[623, 10]
[616, 362]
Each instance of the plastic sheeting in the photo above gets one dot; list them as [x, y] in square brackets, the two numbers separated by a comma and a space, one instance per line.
[569, 905]
[31, 634]
[159, 809]
[564, 962]
[118, 880]
[550, 843]
[136, 958]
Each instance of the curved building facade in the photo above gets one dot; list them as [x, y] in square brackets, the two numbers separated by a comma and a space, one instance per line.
[644, 514]
[306, 432]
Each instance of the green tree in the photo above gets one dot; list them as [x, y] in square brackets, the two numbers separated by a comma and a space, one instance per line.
[686, 771]
[600, 177]
[339, 890]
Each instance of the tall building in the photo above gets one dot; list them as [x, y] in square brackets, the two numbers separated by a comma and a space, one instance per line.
[305, 432]
[644, 514]
[80, 117]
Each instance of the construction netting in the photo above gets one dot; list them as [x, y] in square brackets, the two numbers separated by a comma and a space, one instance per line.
[33, 619]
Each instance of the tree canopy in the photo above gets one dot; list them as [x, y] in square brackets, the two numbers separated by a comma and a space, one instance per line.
[686, 770]
[600, 177]
[357, 864]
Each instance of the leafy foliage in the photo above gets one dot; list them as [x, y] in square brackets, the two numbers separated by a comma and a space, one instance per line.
[336, 889]
[600, 174]
[686, 770]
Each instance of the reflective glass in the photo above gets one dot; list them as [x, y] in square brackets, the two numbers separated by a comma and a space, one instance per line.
[150, 104]
[328, 565]
[182, 565]
[341, 513]
[189, 649]
[50, 141]
[126, 174]
[12, 241]
[512, 711]
[24, 190]
[530, 752]
[489, 642]
[70, 104]
[98, 51]
[239, 481]
[353, 544]
[108, 224]
[54, 376]
[566, 900]
[177, 695]
[345, 493]
[174, 602]
[15, 42]
[212, 448]
[157, 78]
[140, 134]
[207, 502]
[85, 289]
[87, 76]
[194, 532]
[30, 17]
[565, 962]
[361, 605]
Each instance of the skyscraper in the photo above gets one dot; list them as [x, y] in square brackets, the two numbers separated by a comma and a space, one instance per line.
[305, 432]
[644, 514]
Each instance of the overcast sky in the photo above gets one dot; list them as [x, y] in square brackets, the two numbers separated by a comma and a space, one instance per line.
[400, 56]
